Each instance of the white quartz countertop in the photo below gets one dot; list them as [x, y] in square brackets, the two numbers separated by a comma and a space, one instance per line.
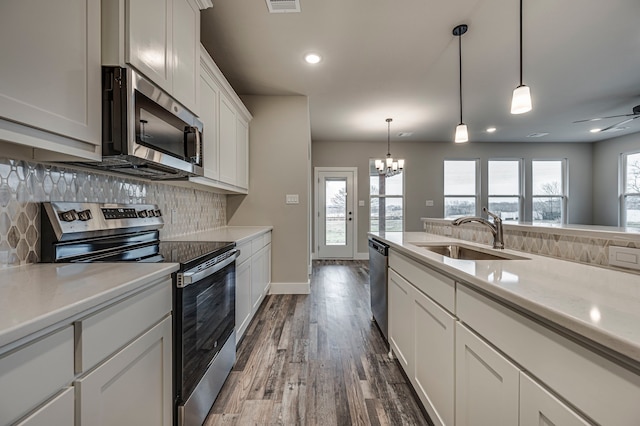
[595, 303]
[34, 297]
[238, 234]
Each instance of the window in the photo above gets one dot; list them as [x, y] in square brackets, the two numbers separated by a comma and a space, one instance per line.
[631, 190]
[386, 201]
[505, 189]
[548, 187]
[460, 188]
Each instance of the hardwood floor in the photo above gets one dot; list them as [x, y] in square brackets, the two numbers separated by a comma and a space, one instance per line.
[317, 359]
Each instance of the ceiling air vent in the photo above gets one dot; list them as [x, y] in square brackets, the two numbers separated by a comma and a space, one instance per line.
[283, 6]
[537, 135]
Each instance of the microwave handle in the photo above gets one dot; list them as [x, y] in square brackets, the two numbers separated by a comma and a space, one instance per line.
[196, 133]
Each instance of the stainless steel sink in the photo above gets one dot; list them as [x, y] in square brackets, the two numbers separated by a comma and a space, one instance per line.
[459, 251]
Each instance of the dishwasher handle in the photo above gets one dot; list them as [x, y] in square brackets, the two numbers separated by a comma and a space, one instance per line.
[381, 248]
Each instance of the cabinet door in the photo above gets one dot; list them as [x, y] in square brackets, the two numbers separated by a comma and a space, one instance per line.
[487, 384]
[58, 411]
[227, 140]
[257, 279]
[208, 100]
[242, 154]
[540, 408]
[149, 37]
[435, 355]
[50, 69]
[133, 387]
[401, 321]
[243, 298]
[186, 52]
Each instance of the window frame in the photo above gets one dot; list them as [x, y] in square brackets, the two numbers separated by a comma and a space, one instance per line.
[385, 197]
[564, 185]
[476, 196]
[624, 157]
[521, 187]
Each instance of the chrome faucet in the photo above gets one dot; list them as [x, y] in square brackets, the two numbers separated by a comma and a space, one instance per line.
[496, 226]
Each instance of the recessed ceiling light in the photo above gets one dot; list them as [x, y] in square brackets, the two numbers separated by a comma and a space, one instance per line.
[312, 58]
[595, 130]
[491, 129]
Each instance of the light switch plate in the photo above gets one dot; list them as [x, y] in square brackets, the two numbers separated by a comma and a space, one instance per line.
[429, 203]
[361, 203]
[292, 199]
[624, 257]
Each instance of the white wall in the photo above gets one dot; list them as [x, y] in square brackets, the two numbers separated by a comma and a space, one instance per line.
[279, 164]
[606, 175]
[424, 172]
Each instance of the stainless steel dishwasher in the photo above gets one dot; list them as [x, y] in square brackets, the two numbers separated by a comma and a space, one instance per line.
[378, 262]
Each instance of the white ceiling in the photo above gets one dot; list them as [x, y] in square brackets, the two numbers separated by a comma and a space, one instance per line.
[399, 59]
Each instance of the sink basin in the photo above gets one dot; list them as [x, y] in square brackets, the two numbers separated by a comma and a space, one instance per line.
[459, 251]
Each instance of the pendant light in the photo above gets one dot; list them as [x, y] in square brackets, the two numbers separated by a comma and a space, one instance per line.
[462, 134]
[521, 101]
[388, 166]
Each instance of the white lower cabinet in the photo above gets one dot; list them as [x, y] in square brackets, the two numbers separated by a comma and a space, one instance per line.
[243, 297]
[487, 384]
[253, 279]
[57, 412]
[133, 387]
[435, 366]
[401, 321]
[538, 407]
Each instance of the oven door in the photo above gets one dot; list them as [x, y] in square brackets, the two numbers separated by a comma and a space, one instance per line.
[204, 335]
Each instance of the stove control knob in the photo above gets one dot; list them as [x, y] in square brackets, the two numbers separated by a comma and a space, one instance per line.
[151, 213]
[68, 216]
[85, 215]
[158, 213]
[143, 213]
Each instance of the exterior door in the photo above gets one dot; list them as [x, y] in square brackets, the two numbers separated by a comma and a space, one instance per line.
[335, 214]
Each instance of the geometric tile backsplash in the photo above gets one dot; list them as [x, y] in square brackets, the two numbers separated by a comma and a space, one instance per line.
[582, 245]
[24, 184]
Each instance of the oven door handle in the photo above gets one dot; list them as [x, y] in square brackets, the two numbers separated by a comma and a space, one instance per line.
[190, 277]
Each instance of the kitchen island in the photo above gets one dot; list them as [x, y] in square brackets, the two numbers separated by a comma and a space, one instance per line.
[567, 330]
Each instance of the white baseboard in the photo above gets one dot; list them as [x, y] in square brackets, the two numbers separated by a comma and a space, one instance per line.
[358, 256]
[290, 288]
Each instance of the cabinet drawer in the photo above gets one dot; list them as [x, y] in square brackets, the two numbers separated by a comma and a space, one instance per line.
[34, 372]
[58, 411]
[600, 388]
[435, 285]
[245, 252]
[110, 329]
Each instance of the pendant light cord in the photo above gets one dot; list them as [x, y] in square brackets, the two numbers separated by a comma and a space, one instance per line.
[520, 42]
[460, 73]
[388, 137]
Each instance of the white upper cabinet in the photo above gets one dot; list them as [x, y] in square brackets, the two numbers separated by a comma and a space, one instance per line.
[50, 76]
[161, 39]
[226, 132]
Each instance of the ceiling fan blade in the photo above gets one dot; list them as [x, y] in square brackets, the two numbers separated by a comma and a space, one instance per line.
[604, 118]
[628, 120]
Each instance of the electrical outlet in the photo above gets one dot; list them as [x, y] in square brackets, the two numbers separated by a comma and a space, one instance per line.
[625, 257]
[174, 216]
[448, 231]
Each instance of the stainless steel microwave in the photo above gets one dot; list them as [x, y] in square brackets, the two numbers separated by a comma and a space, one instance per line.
[145, 132]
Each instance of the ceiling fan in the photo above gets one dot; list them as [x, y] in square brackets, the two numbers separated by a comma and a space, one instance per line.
[635, 114]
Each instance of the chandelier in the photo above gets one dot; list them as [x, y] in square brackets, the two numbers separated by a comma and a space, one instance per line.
[388, 166]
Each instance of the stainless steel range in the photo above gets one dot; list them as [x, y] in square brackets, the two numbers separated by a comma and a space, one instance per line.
[203, 293]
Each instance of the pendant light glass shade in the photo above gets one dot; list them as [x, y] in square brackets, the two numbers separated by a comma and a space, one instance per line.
[521, 101]
[462, 135]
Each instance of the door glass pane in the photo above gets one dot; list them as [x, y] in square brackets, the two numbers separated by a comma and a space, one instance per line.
[547, 210]
[336, 212]
[508, 208]
[504, 178]
[547, 177]
[459, 206]
[459, 177]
